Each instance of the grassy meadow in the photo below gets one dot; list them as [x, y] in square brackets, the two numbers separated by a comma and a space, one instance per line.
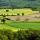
[16, 29]
[19, 25]
[15, 11]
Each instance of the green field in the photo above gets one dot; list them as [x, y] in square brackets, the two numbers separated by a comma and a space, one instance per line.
[19, 25]
[15, 11]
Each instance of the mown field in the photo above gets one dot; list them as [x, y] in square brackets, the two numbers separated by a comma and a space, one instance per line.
[19, 25]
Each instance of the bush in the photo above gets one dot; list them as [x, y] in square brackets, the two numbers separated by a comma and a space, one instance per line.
[26, 35]
[9, 34]
[3, 15]
[7, 10]
[3, 20]
[18, 14]
[7, 18]
[20, 35]
[6, 35]
[3, 37]
[22, 14]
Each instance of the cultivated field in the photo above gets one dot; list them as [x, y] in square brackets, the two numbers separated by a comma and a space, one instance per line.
[16, 11]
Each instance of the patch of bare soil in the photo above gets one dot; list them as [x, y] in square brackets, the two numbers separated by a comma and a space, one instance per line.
[30, 17]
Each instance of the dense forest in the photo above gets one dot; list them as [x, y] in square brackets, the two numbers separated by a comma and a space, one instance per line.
[20, 3]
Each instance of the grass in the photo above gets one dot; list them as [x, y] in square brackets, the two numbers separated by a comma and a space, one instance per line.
[25, 25]
[5, 26]
[15, 11]
[19, 25]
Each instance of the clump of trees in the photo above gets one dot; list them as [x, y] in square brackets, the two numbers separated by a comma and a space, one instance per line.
[20, 35]
[4, 19]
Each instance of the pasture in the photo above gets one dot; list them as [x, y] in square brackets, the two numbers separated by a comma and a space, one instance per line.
[19, 25]
[24, 25]
[16, 29]
[15, 11]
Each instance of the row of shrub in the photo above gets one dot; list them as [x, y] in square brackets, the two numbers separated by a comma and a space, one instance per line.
[18, 14]
[20, 35]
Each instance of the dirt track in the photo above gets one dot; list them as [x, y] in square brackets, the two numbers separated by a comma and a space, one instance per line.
[30, 17]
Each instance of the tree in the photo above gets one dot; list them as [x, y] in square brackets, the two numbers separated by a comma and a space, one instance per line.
[18, 14]
[22, 14]
[3, 20]
[7, 10]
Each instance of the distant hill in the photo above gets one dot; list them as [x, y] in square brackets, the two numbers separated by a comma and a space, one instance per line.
[19, 3]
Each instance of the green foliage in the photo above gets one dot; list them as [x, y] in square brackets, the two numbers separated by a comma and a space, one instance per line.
[6, 35]
[20, 35]
[20, 3]
[9, 34]
[4, 16]
[3, 20]
[22, 14]
[24, 25]
[18, 14]
[7, 10]
[7, 18]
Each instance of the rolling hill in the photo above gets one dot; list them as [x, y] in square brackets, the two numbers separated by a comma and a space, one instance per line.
[19, 3]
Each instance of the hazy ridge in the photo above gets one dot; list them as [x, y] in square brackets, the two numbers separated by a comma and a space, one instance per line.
[19, 3]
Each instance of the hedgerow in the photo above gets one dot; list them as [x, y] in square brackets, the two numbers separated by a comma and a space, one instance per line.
[20, 35]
